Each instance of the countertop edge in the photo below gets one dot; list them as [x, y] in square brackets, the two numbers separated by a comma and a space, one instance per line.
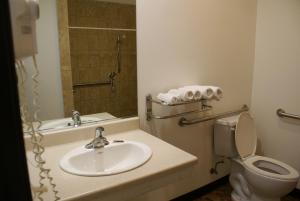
[134, 182]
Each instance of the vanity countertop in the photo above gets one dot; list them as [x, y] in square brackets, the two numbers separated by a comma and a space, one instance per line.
[167, 163]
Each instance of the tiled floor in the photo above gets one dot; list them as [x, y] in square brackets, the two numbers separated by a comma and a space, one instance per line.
[222, 193]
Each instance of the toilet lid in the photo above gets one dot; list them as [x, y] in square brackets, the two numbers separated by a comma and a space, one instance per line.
[245, 135]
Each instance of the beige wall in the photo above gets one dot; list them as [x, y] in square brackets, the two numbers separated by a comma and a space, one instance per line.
[276, 78]
[194, 42]
[48, 63]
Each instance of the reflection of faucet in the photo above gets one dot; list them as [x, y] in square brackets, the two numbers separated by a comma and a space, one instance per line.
[76, 118]
[99, 140]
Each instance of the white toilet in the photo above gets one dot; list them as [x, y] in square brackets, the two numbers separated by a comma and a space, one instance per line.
[253, 178]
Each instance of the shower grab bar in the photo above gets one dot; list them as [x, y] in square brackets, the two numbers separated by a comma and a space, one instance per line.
[281, 113]
[119, 55]
[91, 84]
[102, 28]
[185, 122]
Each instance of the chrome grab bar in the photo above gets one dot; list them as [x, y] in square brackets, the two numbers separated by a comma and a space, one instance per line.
[281, 113]
[185, 122]
[91, 84]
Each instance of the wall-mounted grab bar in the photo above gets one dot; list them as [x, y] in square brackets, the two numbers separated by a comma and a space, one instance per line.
[281, 113]
[91, 84]
[185, 122]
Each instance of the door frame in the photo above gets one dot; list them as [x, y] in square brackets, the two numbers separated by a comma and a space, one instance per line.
[15, 183]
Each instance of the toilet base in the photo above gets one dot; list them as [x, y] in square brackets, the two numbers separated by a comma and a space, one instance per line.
[236, 197]
[256, 198]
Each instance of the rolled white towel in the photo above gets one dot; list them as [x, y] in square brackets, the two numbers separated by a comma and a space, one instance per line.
[197, 95]
[218, 92]
[167, 98]
[184, 94]
[175, 92]
[206, 91]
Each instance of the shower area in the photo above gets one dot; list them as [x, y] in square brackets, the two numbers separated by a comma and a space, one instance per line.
[102, 69]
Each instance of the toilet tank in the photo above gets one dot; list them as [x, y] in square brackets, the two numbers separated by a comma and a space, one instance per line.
[224, 131]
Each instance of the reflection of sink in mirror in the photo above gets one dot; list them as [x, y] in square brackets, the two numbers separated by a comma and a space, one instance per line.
[114, 158]
[63, 123]
[68, 122]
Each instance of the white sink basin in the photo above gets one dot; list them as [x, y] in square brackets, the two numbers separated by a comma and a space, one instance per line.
[67, 122]
[114, 158]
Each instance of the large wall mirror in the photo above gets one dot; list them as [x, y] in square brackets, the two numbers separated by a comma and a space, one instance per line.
[87, 61]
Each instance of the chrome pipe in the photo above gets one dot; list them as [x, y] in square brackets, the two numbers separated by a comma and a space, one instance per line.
[282, 114]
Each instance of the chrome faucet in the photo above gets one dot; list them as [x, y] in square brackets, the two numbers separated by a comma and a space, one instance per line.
[76, 118]
[99, 140]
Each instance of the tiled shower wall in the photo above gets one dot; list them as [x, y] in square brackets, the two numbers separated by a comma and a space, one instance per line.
[65, 58]
[93, 29]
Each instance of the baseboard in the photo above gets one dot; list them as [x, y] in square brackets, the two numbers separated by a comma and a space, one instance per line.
[203, 190]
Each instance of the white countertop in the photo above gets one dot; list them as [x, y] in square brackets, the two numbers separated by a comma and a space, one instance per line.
[165, 162]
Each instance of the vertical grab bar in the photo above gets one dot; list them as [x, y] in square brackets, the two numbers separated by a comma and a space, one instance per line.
[119, 54]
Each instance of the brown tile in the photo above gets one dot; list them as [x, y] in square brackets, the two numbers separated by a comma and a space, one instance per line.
[66, 76]
[101, 14]
[83, 76]
[65, 59]
[68, 102]
[66, 68]
[93, 57]
[64, 46]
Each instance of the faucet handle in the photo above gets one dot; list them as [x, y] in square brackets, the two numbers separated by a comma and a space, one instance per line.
[99, 132]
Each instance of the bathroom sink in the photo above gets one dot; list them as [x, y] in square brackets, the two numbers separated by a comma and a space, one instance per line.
[117, 157]
[63, 123]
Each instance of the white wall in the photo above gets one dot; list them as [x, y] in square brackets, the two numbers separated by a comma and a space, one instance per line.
[276, 78]
[51, 99]
[194, 42]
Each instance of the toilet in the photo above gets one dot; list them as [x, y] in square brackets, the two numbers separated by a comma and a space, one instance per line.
[252, 177]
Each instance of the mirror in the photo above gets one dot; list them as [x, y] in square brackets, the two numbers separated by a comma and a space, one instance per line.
[87, 61]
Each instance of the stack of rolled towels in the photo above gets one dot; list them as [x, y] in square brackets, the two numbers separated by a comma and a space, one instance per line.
[191, 93]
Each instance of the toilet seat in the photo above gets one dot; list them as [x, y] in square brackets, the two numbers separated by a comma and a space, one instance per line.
[246, 140]
[270, 168]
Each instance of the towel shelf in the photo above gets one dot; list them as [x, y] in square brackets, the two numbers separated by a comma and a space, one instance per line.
[175, 104]
[185, 122]
[150, 115]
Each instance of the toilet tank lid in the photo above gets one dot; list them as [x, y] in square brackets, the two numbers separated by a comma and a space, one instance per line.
[228, 121]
